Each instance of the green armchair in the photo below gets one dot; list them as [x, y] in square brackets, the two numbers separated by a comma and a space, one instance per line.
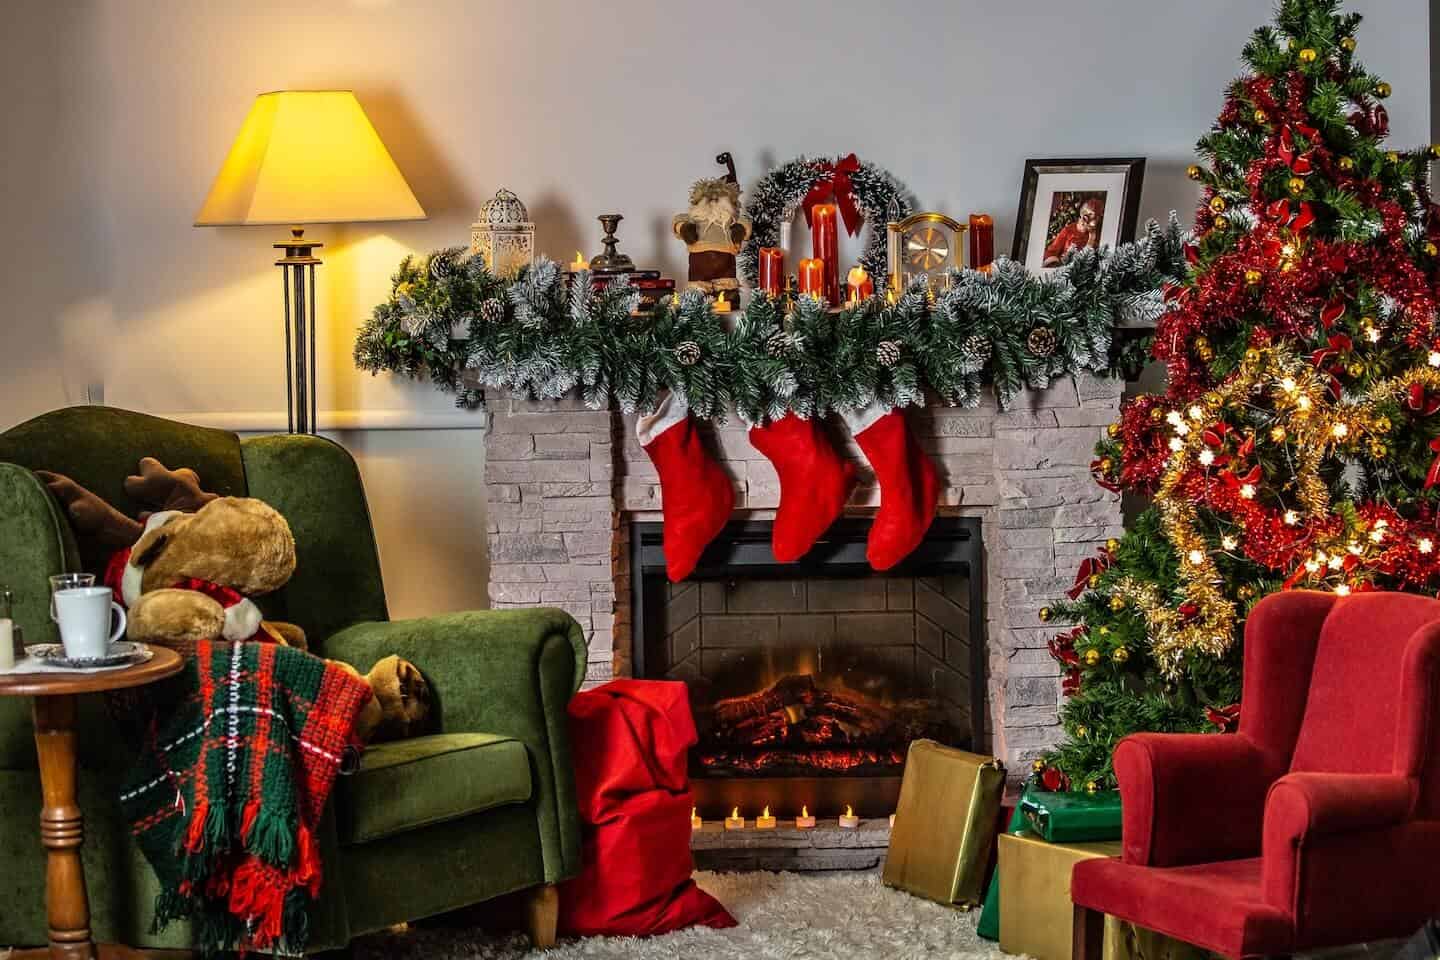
[482, 808]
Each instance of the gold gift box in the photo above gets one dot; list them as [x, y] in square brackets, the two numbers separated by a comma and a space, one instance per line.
[945, 824]
[1036, 913]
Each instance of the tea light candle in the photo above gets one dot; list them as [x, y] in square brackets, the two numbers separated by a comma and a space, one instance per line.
[804, 821]
[765, 821]
[982, 241]
[695, 822]
[580, 262]
[735, 821]
[7, 644]
[721, 304]
[859, 284]
[772, 271]
[812, 277]
[848, 820]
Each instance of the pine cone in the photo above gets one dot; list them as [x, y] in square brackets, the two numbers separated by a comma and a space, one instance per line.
[977, 348]
[1041, 341]
[781, 344]
[888, 352]
[492, 310]
[442, 265]
[688, 353]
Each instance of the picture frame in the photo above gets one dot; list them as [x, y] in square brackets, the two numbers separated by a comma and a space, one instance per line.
[1069, 203]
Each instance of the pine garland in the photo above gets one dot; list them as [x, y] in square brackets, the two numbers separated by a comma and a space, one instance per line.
[543, 336]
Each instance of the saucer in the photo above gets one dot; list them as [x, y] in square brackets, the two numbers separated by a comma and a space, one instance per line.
[121, 653]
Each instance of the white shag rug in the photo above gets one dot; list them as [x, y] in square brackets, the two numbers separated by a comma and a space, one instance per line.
[783, 916]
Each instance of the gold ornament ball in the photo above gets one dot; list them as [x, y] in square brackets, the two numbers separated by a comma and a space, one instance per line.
[1120, 654]
[1296, 185]
[1347, 44]
[1382, 90]
[1205, 354]
[1092, 657]
[1044, 614]
[1106, 464]
[1103, 631]
[1156, 413]
[1261, 116]
[1113, 429]
[1355, 369]
[1092, 786]
[1117, 604]
[1093, 581]
[1253, 277]
[1430, 248]
[1201, 341]
[1038, 765]
[1308, 55]
[1346, 163]
[1435, 151]
[1221, 223]
[1217, 204]
[1112, 544]
[1082, 731]
[1194, 172]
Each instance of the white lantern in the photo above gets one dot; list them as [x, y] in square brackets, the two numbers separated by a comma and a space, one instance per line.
[503, 234]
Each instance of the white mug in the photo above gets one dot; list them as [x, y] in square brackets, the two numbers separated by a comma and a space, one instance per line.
[83, 614]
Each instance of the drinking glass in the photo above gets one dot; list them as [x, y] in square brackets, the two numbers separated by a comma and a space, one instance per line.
[67, 581]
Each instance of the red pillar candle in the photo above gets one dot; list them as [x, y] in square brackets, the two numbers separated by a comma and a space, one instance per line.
[858, 285]
[812, 277]
[825, 239]
[982, 241]
[772, 271]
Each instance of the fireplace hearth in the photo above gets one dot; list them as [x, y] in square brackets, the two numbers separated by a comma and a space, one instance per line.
[808, 681]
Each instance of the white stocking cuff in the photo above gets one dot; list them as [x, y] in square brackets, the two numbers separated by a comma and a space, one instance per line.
[668, 412]
[863, 418]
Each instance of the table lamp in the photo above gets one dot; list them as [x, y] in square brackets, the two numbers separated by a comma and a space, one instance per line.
[302, 157]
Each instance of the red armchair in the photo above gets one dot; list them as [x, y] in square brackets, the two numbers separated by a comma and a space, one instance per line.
[1318, 823]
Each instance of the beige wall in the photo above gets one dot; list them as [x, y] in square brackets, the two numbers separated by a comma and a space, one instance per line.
[118, 113]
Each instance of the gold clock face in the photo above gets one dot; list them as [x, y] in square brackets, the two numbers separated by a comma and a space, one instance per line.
[927, 248]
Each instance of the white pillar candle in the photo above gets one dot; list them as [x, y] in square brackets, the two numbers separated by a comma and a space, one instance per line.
[7, 644]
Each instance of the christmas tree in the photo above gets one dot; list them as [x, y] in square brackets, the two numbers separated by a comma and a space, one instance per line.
[1297, 444]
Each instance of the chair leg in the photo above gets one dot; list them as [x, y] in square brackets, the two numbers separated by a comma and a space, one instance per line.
[1088, 934]
[542, 913]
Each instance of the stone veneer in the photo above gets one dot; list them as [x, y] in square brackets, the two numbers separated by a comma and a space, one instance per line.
[563, 483]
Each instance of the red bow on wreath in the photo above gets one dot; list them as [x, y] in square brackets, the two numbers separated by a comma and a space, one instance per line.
[834, 184]
[1225, 719]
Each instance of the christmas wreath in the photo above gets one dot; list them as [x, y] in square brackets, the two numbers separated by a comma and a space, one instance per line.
[861, 190]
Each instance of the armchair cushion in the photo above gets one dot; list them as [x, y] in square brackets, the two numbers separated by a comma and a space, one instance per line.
[414, 783]
[1168, 789]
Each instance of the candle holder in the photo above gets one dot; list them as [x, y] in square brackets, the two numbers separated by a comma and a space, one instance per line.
[610, 260]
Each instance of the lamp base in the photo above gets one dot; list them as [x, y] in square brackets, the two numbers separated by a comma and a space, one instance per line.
[297, 271]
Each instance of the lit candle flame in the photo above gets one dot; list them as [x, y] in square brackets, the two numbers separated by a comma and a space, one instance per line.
[804, 810]
[848, 811]
[721, 305]
[735, 814]
[766, 811]
[580, 262]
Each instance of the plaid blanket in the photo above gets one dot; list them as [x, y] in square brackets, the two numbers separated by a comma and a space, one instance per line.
[238, 755]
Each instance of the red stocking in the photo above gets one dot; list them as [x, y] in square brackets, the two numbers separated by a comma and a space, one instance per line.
[909, 485]
[814, 482]
[695, 494]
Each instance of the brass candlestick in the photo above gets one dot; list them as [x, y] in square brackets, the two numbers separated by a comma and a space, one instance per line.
[610, 260]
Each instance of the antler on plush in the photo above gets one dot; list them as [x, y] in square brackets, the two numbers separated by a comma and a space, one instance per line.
[166, 489]
[91, 515]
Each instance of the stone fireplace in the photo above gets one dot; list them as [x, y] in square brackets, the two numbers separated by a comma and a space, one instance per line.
[574, 505]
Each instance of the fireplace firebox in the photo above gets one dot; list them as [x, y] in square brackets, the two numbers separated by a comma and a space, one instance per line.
[809, 680]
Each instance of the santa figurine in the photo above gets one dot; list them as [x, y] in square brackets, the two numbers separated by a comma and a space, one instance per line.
[1083, 231]
[714, 230]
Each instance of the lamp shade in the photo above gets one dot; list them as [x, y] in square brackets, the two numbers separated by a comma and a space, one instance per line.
[308, 156]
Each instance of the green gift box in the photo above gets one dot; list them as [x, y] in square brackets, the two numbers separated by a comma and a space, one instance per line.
[1072, 817]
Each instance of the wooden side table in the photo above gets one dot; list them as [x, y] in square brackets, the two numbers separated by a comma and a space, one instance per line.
[62, 828]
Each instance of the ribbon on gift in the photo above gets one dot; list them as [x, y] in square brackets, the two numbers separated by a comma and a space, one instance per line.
[834, 184]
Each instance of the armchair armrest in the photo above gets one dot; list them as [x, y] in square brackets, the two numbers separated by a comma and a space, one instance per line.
[1173, 811]
[509, 672]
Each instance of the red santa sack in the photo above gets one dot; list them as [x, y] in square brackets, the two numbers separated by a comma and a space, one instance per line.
[630, 740]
